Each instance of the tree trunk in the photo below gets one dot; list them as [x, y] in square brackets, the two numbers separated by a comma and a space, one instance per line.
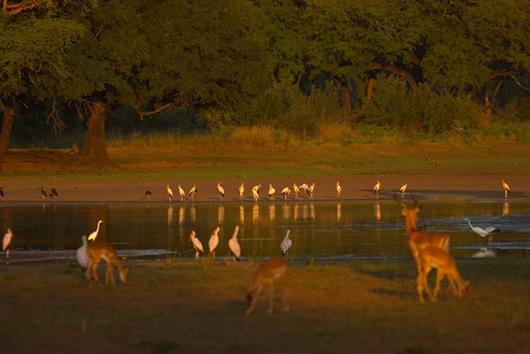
[369, 91]
[95, 148]
[346, 102]
[7, 123]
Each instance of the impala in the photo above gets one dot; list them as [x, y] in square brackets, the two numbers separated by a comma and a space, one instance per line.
[267, 273]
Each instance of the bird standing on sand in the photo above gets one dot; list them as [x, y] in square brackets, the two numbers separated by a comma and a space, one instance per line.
[197, 245]
[285, 192]
[403, 189]
[296, 190]
[6, 242]
[242, 191]
[221, 190]
[81, 253]
[377, 188]
[303, 188]
[233, 244]
[92, 236]
[255, 193]
[506, 188]
[192, 192]
[482, 232]
[339, 190]
[286, 243]
[148, 194]
[182, 193]
[169, 192]
[311, 190]
[53, 193]
[272, 191]
[43, 193]
[214, 241]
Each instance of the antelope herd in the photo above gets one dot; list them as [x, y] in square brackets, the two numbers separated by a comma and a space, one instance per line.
[430, 250]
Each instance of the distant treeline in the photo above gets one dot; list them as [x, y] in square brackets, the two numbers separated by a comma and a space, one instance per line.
[431, 65]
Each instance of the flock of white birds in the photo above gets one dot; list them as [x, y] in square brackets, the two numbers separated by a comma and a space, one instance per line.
[233, 244]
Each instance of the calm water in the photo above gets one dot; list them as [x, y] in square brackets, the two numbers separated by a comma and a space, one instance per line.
[320, 229]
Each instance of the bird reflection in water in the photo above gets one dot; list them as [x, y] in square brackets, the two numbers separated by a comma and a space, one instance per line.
[312, 211]
[241, 214]
[339, 212]
[377, 211]
[193, 214]
[255, 213]
[505, 208]
[286, 211]
[296, 211]
[272, 212]
[220, 215]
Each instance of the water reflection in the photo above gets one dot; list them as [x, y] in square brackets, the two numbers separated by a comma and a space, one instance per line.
[221, 215]
[377, 211]
[339, 212]
[286, 211]
[193, 215]
[241, 214]
[255, 213]
[505, 208]
[272, 212]
[485, 253]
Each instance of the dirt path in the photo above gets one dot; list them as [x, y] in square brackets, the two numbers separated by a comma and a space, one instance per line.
[19, 189]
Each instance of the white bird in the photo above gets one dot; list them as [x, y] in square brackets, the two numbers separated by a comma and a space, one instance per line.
[272, 191]
[192, 192]
[242, 191]
[214, 241]
[506, 188]
[255, 193]
[304, 187]
[92, 236]
[286, 243]
[182, 193]
[233, 244]
[311, 190]
[197, 245]
[169, 192]
[339, 190]
[6, 242]
[285, 192]
[81, 253]
[403, 189]
[221, 190]
[482, 232]
[377, 188]
[296, 190]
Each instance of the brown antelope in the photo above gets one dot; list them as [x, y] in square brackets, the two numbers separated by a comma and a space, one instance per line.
[100, 250]
[434, 257]
[267, 272]
[418, 240]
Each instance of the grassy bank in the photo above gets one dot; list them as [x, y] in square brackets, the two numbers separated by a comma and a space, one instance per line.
[184, 307]
[337, 150]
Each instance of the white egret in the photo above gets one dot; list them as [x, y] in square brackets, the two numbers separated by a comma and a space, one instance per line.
[339, 190]
[92, 236]
[377, 188]
[197, 245]
[6, 242]
[311, 190]
[403, 189]
[255, 193]
[272, 191]
[192, 192]
[182, 193]
[242, 191]
[82, 254]
[221, 190]
[214, 241]
[304, 187]
[233, 244]
[169, 192]
[285, 192]
[482, 232]
[296, 190]
[286, 243]
[506, 188]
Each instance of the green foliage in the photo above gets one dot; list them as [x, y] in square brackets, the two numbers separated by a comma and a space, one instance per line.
[419, 110]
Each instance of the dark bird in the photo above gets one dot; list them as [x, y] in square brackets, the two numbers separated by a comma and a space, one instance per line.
[2, 195]
[43, 193]
[53, 193]
[147, 195]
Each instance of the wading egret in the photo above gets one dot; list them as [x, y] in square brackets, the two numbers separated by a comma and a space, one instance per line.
[339, 190]
[311, 190]
[92, 236]
[6, 242]
[285, 192]
[81, 253]
[482, 232]
[296, 190]
[233, 244]
[403, 189]
[242, 191]
[506, 188]
[192, 192]
[214, 241]
[377, 188]
[197, 245]
[221, 190]
[182, 193]
[286, 243]
[272, 191]
[169, 192]
[255, 193]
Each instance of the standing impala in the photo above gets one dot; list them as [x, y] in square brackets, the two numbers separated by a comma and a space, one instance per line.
[101, 250]
[418, 240]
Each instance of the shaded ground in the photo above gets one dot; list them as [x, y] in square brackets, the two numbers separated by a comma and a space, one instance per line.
[188, 308]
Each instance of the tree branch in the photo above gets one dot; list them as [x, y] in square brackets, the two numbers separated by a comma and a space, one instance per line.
[395, 70]
[15, 9]
[155, 111]
[518, 83]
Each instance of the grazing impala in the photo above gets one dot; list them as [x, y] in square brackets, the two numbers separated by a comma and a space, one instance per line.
[102, 250]
[418, 240]
[267, 272]
[434, 257]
